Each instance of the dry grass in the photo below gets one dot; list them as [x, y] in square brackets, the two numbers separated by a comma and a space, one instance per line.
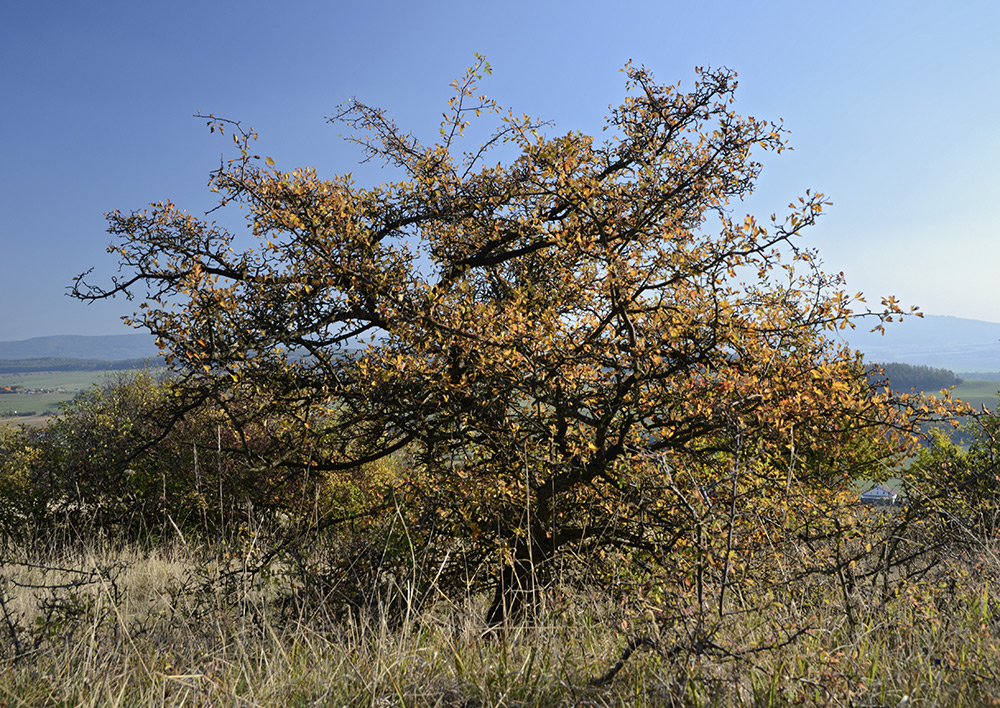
[107, 626]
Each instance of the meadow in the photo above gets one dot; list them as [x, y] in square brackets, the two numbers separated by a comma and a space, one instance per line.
[178, 625]
[978, 393]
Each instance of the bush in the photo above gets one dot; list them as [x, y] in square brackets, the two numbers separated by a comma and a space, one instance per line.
[111, 461]
[961, 485]
[20, 497]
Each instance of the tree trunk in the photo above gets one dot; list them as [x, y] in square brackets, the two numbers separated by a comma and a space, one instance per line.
[517, 584]
[514, 597]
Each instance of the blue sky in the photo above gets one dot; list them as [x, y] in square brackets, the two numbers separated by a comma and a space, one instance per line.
[892, 107]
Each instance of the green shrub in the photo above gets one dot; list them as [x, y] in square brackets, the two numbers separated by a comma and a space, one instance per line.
[111, 461]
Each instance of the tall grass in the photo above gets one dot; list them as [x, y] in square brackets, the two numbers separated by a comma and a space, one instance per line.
[103, 625]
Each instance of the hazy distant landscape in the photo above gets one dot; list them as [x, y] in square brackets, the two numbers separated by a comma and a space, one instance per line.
[65, 365]
[41, 394]
[105, 348]
[38, 375]
[962, 345]
[955, 343]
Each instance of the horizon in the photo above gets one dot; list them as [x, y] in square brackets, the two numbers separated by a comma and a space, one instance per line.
[963, 345]
[145, 333]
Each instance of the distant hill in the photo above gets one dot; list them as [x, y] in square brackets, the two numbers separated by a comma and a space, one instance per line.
[114, 347]
[952, 343]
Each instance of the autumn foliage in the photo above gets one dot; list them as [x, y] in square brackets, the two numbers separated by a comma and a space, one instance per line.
[578, 352]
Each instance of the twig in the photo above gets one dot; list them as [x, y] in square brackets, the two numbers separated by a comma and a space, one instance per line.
[638, 643]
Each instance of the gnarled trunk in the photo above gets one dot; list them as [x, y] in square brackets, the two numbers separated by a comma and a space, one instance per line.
[518, 582]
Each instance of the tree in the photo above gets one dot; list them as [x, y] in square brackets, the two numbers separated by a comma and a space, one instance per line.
[576, 349]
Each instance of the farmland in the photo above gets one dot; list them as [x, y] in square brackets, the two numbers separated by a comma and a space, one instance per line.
[44, 392]
[978, 393]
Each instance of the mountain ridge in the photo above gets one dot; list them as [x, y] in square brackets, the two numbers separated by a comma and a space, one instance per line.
[112, 347]
[941, 341]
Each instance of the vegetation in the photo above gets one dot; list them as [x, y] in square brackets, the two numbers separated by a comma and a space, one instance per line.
[597, 447]
[906, 377]
[46, 393]
[962, 482]
[213, 600]
[106, 464]
[49, 364]
[578, 351]
[106, 624]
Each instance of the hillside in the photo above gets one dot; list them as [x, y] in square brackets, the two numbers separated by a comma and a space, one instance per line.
[115, 347]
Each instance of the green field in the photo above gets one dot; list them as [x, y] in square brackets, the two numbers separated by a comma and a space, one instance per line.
[70, 383]
[978, 393]
[975, 392]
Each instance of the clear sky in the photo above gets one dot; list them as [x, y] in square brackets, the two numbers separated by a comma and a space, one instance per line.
[893, 110]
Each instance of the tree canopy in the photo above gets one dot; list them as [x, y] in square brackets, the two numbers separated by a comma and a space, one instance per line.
[579, 347]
